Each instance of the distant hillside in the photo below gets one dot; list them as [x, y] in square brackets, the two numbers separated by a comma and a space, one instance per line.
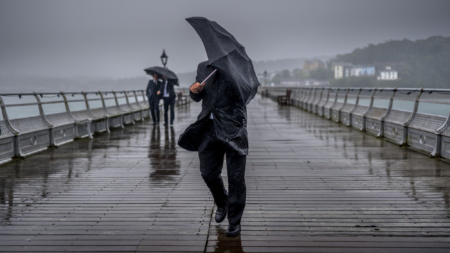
[420, 63]
[186, 79]
[279, 65]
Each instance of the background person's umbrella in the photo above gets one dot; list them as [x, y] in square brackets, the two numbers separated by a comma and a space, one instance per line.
[160, 71]
[228, 56]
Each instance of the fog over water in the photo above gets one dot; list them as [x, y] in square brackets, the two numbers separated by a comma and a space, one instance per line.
[101, 39]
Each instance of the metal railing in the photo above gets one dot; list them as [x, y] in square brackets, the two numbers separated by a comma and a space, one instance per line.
[417, 118]
[32, 122]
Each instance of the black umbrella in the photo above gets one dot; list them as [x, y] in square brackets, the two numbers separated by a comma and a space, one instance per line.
[160, 71]
[228, 56]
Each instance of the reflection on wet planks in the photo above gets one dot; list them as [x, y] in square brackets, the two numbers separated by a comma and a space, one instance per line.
[316, 186]
[313, 186]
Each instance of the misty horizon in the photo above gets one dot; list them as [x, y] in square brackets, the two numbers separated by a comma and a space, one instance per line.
[108, 39]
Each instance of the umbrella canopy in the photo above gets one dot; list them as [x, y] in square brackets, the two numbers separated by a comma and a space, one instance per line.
[160, 71]
[228, 56]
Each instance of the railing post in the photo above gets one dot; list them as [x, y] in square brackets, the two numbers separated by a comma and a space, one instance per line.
[115, 98]
[445, 126]
[106, 112]
[308, 95]
[356, 104]
[304, 97]
[118, 107]
[391, 103]
[103, 100]
[126, 98]
[87, 103]
[10, 127]
[298, 95]
[343, 104]
[6, 119]
[66, 103]
[363, 128]
[128, 103]
[41, 110]
[44, 119]
[90, 113]
[438, 132]
[89, 121]
[335, 100]
[322, 113]
[316, 109]
[301, 97]
[137, 102]
[416, 107]
[311, 100]
[413, 115]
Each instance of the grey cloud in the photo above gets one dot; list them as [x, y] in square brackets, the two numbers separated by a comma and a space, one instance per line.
[110, 38]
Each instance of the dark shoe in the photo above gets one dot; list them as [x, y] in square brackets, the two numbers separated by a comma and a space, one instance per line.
[233, 230]
[221, 214]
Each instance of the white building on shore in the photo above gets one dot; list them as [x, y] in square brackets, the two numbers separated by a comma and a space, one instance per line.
[342, 70]
[387, 74]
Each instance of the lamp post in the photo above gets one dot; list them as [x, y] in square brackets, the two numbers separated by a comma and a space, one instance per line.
[164, 58]
[265, 77]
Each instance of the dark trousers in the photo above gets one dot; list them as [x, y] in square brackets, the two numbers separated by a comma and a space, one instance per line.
[211, 152]
[154, 109]
[169, 102]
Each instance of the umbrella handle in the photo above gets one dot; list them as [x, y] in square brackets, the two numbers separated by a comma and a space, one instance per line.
[204, 81]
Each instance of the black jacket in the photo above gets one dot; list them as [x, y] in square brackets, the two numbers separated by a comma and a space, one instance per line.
[170, 89]
[152, 88]
[229, 113]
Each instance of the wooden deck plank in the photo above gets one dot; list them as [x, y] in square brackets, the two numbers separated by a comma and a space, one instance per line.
[313, 186]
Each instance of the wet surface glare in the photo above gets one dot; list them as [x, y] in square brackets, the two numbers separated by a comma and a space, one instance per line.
[312, 185]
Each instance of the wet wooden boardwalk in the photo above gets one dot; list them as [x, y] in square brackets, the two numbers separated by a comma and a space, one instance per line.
[313, 186]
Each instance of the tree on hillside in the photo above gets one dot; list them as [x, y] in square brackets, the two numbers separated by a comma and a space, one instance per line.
[277, 78]
[285, 74]
[321, 74]
[300, 74]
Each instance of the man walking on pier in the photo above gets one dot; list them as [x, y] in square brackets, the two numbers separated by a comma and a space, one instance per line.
[226, 83]
[153, 95]
[168, 94]
[221, 130]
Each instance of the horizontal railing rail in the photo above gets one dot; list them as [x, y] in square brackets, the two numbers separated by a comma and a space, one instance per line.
[413, 117]
[32, 122]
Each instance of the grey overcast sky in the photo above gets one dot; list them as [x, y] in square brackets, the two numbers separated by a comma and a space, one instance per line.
[118, 38]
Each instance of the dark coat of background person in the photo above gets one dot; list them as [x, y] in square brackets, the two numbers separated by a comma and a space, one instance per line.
[170, 88]
[153, 99]
[169, 102]
[152, 88]
[229, 113]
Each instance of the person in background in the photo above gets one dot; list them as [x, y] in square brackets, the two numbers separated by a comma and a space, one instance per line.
[168, 95]
[153, 94]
